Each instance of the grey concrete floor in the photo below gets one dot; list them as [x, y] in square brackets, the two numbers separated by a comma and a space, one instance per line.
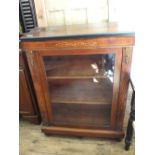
[34, 142]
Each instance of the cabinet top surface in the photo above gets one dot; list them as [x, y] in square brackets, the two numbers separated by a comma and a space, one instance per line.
[73, 31]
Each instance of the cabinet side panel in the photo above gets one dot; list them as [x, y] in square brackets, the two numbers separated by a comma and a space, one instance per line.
[30, 85]
[124, 82]
[25, 103]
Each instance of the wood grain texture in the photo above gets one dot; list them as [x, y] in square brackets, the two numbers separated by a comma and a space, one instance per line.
[83, 132]
[117, 71]
[80, 52]
[88, 116]
[80, 43]
[124, 83]
[25, 101]
[28, 108]
[35, 73]
[81, 91]
[45, 90]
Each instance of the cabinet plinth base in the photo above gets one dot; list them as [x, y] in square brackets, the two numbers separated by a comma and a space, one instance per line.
[83, 132]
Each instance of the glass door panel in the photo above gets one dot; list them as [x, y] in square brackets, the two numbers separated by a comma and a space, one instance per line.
[81, 89]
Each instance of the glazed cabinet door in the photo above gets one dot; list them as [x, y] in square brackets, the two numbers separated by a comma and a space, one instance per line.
[80, 86]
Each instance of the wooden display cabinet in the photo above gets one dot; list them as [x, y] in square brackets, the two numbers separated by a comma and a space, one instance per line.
[81, 75]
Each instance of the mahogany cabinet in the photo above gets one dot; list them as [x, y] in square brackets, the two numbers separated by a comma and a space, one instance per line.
[28, 109]
[81, 75]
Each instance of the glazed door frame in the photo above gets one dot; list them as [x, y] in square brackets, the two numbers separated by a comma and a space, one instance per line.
[38, 70]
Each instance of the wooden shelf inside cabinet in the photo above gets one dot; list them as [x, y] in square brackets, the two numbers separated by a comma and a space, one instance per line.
[74, 77]
[82, 115]
[81, 91]
[78, 67]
